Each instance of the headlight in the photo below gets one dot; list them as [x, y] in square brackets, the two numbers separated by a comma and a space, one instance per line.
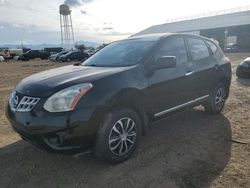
[66, 99]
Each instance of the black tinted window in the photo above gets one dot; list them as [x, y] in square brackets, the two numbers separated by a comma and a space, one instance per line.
[174, 47]
[198, 48]
[212, 46]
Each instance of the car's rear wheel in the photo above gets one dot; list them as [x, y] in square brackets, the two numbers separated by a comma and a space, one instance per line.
[118, 135]
[217, 100]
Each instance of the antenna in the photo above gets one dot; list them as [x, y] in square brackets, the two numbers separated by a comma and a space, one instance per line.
[67, 34]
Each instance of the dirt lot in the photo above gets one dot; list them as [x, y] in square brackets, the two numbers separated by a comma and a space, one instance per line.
[192, 149]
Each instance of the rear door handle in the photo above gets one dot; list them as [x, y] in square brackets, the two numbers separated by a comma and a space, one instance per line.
[189, 73]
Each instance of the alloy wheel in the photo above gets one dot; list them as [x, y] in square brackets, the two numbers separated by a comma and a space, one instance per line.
[220, 98]
[122, 136]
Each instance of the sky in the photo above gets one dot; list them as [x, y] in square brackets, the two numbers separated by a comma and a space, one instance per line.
[38, 21]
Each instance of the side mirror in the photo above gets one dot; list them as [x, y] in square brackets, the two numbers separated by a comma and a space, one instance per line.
[165, 62]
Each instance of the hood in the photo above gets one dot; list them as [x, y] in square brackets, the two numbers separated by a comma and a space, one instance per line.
[45, 83]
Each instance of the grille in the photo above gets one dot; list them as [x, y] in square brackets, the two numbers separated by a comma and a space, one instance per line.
[27, 104]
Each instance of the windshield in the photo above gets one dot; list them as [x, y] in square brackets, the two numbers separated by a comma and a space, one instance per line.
[122, 53]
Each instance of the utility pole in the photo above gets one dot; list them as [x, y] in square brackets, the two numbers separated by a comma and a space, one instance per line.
[225, 39]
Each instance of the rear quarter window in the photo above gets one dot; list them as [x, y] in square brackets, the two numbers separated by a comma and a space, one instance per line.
[198, 48]
[212, 46]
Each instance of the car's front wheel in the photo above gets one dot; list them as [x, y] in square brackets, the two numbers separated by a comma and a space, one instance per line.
[118, 135]
[217, 100]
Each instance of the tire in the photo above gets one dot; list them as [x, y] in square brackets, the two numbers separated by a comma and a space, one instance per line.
[114, 145]
[217, 100]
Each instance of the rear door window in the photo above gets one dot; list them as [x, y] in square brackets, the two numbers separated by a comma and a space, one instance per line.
[173, 47]
[198, 48]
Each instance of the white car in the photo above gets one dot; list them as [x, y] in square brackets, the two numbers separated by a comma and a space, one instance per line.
[16, 57]
[1, 58]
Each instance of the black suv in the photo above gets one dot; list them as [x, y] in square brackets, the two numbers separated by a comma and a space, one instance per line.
[107, 102]
[74, 56]
[32, 54]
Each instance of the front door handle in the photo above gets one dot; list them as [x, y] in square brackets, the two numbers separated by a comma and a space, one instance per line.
[189, 73]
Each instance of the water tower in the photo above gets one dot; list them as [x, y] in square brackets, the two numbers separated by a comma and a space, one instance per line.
[67, 34]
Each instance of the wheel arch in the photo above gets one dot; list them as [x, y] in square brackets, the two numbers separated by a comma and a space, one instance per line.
[133, 99]
[126, 98]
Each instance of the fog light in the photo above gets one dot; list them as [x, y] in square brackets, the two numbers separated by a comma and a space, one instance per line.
[54, 140]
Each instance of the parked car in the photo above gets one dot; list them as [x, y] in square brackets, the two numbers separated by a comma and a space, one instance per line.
[55, 57]
[1, 58]
[32, 54]
[16, 57]
[15, 52]
[26, 50]
[74, 56]
[90, 51]
[52, 50]
[108, 101]
[231, 47]
[243, 70]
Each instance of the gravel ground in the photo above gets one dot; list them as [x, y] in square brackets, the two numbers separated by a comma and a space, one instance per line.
[190, 149]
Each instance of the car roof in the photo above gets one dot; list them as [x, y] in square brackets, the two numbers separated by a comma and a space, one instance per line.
[158, 36]
[155, 35]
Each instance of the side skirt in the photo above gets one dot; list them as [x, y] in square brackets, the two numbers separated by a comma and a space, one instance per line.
[180, 106]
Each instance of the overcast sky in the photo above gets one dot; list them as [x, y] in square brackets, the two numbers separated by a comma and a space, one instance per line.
[37, 21]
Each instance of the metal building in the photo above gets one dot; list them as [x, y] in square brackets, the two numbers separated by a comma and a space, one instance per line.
[228, 26]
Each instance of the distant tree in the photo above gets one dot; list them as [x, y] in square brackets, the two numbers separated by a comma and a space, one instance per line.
[80, 47]
[102, 46]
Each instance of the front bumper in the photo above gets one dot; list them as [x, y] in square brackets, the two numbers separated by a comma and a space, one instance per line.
[61, 132]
